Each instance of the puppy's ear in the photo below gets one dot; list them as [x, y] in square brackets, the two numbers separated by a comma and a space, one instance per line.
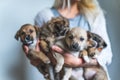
[67, 31]
[17, 35]
[104, 44]
[66, 22]
[89, 34]
[37, 29]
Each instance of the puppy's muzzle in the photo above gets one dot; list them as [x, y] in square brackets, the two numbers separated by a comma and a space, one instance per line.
[28, 40]
[75, 47]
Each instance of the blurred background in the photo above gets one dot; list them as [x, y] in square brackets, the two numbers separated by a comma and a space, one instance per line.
[14, 13]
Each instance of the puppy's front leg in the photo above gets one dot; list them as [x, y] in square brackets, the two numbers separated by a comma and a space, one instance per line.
[60, 61]
[40, 55]
[68, 72]
[84, 54]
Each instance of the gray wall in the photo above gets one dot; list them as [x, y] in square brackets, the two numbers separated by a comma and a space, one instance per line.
[112, 9]
[14, 13]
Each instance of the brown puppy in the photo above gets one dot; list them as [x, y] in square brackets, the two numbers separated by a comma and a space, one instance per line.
[76, 42]
[51, 31]
[29, 35]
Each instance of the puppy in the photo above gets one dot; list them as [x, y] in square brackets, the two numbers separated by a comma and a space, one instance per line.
[95, 44]
[29, 35]
[52, 31]
[76, 42]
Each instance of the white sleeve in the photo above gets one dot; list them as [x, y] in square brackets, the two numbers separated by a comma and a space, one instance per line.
[43, 16]
[39, 21]
[99, 27]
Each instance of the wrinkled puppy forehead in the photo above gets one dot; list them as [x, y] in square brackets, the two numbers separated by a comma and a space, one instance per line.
[27, 27]
[60, 20]
[79, 32]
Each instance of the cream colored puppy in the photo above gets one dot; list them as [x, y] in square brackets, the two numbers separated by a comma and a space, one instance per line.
[76, 41]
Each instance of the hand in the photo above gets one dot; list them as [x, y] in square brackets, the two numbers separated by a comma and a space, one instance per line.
[73, 61]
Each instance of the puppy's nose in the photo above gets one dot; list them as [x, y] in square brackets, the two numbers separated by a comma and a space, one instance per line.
[75, 45]
[27, 37]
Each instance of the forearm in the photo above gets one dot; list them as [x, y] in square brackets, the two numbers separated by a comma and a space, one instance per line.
[92, 63]
[72, 61]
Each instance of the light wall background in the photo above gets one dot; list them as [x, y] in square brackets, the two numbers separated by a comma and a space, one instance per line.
[14, 13]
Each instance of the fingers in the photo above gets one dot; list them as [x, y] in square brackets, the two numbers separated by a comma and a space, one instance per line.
[72, 61]
[37, 48]
[25, 48]
[57, 49]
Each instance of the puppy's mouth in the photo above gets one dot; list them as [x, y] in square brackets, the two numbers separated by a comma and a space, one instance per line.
[75, 47]
[28, 40]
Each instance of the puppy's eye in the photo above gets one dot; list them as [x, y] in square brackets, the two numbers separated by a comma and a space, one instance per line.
[22, 33]
[31, 31]
[71, 36]
[81, 38]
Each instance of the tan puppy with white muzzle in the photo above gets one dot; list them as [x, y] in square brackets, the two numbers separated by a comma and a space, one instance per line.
[29, 35]
[76, 41]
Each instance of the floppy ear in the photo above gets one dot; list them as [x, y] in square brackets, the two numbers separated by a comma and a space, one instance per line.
[37, 29]
[17, 35]
[104, 44]
[66, 22]
[89, 34]
[67, 31]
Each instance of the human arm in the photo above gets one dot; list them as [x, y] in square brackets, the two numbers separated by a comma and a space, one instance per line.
[73, 61]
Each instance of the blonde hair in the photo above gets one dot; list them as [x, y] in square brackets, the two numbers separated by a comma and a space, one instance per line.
[83, 5]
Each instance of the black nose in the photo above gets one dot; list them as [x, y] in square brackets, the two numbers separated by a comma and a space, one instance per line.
[75, 46]
[27, 37]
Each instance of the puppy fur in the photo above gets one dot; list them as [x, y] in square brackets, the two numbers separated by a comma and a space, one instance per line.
[95, 45]
[77, 41]
[29, 35]
[51, 31]
[74, 41]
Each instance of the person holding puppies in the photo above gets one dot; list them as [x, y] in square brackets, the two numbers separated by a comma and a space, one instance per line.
[87, 14]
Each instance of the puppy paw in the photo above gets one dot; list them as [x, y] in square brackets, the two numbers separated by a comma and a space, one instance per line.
[86, 59]
[58, 68]
[47, 61]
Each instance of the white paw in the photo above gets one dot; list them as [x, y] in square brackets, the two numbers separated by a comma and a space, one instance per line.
[86, 59]
[58, 68]
[65, 78]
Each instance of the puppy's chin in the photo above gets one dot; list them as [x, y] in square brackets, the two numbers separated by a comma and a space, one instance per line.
[29, 42]
[72, 48]
[78, 49]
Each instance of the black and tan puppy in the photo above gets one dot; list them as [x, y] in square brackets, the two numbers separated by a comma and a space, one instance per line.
[29, 35]
[53, 30]
[95, 44]
[76, 41]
